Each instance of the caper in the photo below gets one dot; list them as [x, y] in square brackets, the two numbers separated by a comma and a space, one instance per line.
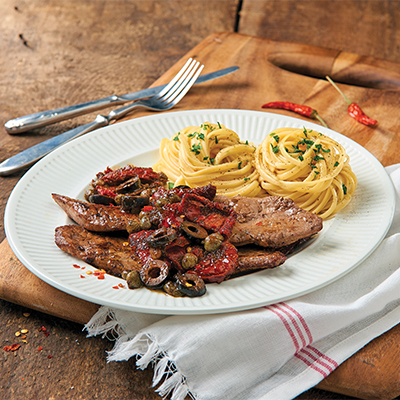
[213, 242]
[145, 223]
[133, 226]
[155, 217]
[174, 198]
[189, 261]
[155, 253]
[88, 192]
[171, 288]
[143, 214]
[161, 202]
[118, 199]
[133, 280]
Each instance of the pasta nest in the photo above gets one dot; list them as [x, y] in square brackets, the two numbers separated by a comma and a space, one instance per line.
[308, 167]
[210, 153]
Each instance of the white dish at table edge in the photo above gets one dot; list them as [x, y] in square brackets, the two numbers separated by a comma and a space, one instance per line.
[31, 216]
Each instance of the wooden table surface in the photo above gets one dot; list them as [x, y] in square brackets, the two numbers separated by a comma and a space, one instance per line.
[57, 53]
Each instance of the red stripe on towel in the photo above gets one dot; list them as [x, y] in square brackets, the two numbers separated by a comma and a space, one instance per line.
[287, 326]
[299, 331]
[312, 365]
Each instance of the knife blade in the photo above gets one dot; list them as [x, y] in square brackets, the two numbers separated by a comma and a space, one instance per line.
[37, 120]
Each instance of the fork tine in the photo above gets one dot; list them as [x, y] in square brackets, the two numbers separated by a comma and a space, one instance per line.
[176, 77]
[184, 88]
[179, 91]
[178, 82]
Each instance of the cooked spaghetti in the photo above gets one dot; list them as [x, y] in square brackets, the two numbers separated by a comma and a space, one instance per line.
[308, 167]
[210, 153]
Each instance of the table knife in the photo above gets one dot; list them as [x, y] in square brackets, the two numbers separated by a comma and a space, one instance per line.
[37, 120]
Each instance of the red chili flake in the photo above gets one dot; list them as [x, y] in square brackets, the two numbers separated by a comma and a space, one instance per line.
[76, 266]
[115, 287]
[40, 348]
[101, 276]
[121, 285]
[259, 223]
[13, 347]
[46, 334]
[147, 208]
[96, 273]
[82, 276]
[49, 356]
[42, 329]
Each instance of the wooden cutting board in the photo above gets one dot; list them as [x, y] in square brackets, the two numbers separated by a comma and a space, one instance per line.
[272, 71]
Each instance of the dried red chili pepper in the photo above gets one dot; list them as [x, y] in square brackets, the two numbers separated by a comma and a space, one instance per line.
[297, 108]
[354, 109]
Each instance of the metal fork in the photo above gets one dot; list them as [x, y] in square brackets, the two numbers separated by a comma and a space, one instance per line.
[165, 100]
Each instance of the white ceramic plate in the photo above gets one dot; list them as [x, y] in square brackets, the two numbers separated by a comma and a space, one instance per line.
[31, 216]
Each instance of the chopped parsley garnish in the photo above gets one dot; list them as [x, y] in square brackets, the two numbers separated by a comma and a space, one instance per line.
[275, 149]
[344, 189]
[336, 164]
[196, 149]
[240, 165]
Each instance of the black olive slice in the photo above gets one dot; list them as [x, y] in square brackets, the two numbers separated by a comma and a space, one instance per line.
[100, 199]
[193, 230]
[161, 237]
[154, 273]
[134, 204]
[129, 186]
[191, 284]
[182, 187]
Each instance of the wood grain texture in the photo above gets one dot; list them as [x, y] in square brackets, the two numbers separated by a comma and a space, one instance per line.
[365, 27]
[78, 51]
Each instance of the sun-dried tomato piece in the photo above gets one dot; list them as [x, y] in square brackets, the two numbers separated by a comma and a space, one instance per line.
[212, 216]
[218, 265]
[120, 175]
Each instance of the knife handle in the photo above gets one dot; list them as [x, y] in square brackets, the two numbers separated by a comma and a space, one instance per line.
[37, 120]
[29, 156]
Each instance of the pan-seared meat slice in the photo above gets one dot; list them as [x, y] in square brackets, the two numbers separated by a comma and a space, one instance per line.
[104, 252]
[253, 258]
[95, 217]
[270, 221]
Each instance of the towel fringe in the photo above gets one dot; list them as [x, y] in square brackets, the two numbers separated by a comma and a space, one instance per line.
[145, 349]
